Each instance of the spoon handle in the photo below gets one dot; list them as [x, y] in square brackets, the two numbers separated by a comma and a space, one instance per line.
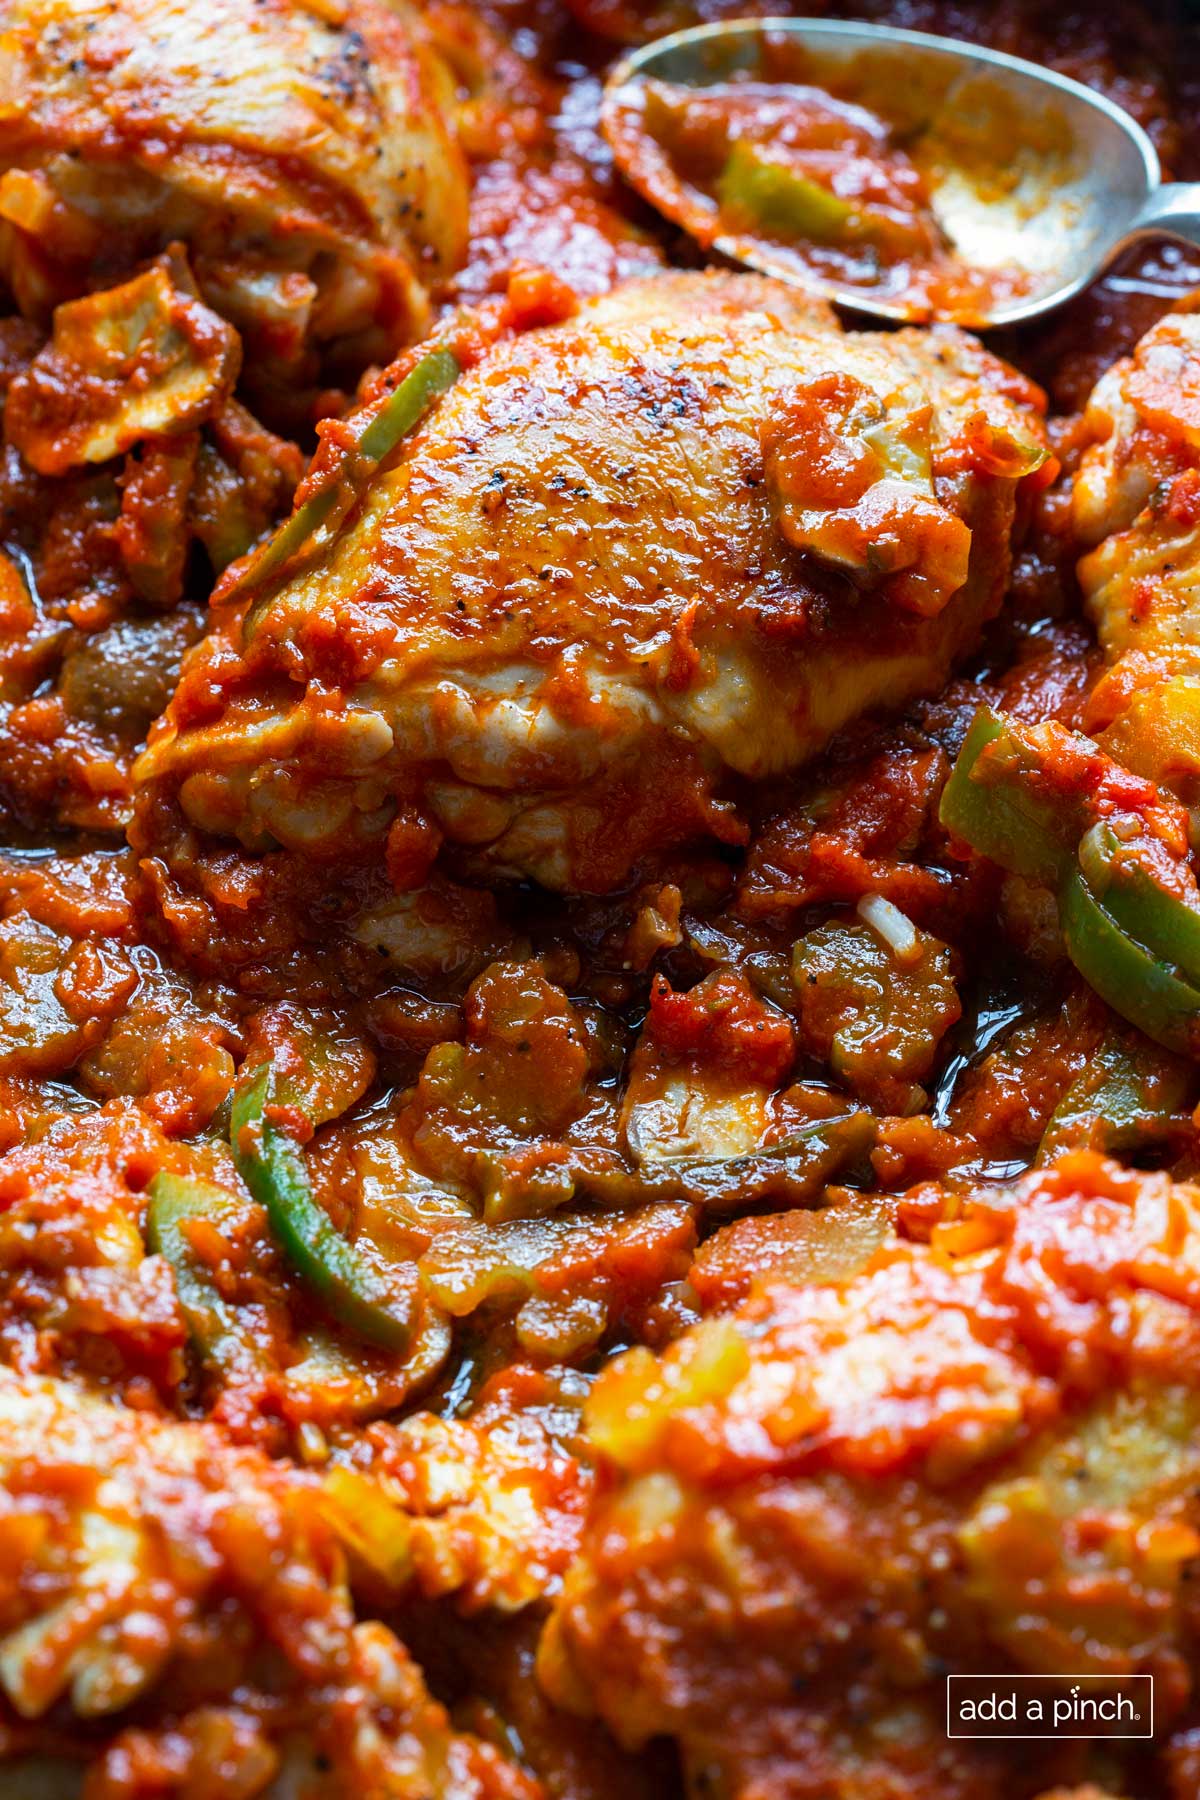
[1172, 210]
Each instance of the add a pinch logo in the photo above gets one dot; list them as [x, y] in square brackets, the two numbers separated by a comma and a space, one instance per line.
[1050, 1706]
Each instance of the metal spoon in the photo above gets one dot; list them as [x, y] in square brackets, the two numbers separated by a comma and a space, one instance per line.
[1024, 167]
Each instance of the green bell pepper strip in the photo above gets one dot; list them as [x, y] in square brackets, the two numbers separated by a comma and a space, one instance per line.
[1129, 1097]
[1134, 982]
[783, 201]
[215, 1325]
[1146, 912]
[1135, 943]
[360, 1296]
[997, 817]
[400, 412]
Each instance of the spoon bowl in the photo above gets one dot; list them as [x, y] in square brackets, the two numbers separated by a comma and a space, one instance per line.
[1036, 182]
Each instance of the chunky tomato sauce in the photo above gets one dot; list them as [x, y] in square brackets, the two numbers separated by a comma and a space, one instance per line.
[599, 939]
[824, 186]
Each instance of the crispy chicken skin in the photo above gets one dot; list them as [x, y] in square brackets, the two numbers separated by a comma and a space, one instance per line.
[976, 1451]
[684, 534]
[302, 152]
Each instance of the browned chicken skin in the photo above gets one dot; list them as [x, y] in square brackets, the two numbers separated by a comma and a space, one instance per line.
[689, 531]
[303, 153]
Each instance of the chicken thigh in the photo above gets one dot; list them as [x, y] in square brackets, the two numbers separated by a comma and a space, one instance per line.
[1136, 511]
[889, 1460]
[302, 153]
[680, 537]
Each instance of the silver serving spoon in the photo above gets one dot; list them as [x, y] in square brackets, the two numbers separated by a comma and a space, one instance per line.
[1024, 167]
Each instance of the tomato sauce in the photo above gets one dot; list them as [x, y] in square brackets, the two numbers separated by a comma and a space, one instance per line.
[799, 1247]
